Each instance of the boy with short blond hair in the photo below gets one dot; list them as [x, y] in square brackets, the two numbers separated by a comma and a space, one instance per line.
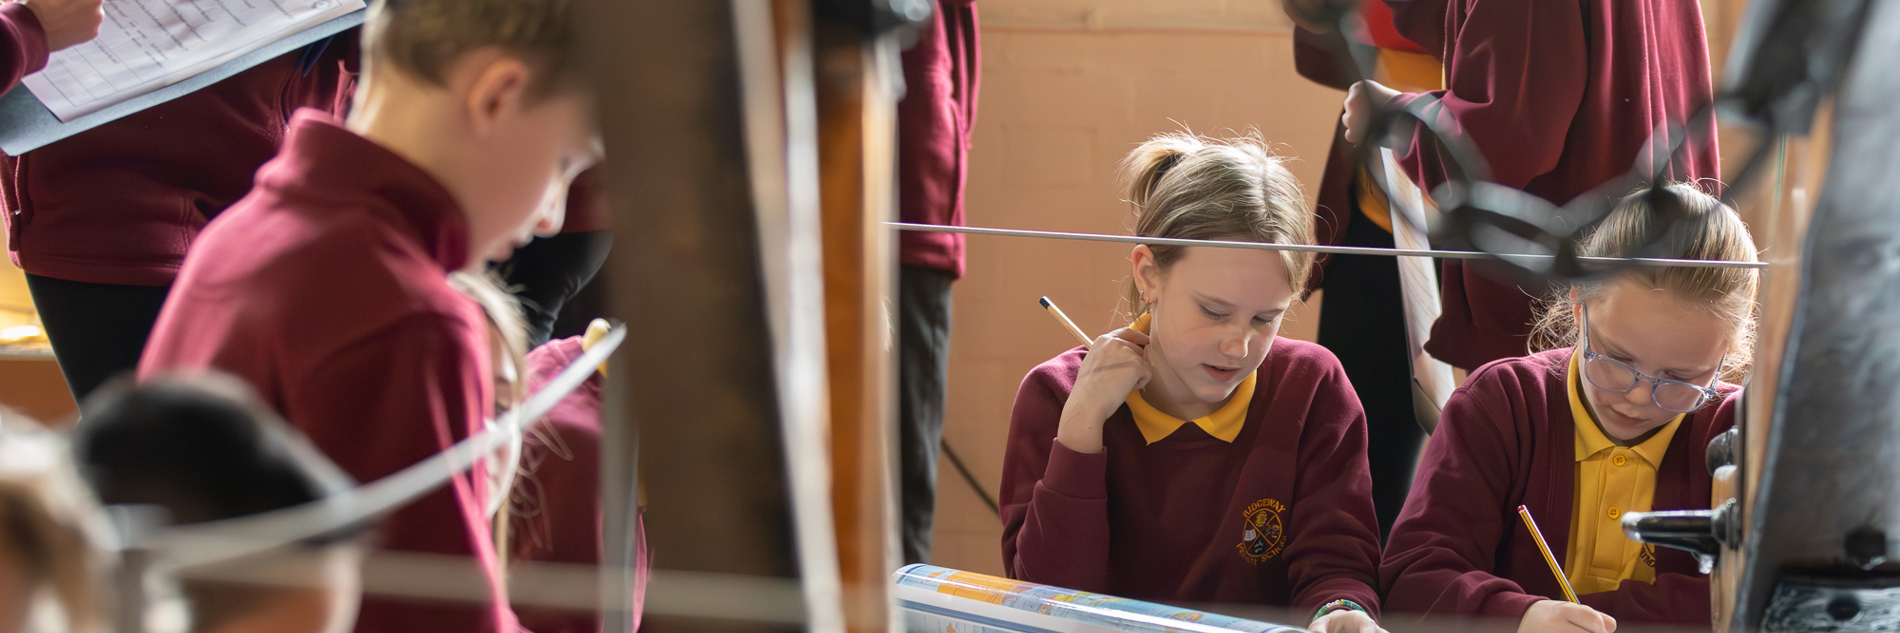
[326, 287]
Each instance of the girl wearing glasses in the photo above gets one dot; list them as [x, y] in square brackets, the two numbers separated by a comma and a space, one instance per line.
[1613, 417]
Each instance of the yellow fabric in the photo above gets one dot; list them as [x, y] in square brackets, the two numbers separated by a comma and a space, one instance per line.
[1611, 480]
[1223, 424]
[1372, 202]
[1406, 71]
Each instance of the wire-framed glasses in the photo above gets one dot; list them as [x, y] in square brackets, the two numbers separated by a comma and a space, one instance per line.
[1613, 375]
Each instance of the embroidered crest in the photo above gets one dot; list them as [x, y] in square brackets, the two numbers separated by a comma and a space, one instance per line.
[1262, 533]
[1648, 555]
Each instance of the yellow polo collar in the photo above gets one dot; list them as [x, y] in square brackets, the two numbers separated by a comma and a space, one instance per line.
[1224, 424]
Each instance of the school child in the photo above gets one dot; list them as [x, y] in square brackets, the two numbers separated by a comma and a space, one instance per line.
[551, 510]
[203, 449]
[52, 534]
[100, 222]
[326, 287]
[556, 510]
[1613, 418]
[1559, 96]
[1264, 498]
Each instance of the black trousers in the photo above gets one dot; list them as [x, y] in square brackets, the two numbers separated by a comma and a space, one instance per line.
[1362, 320]
[923, 365]
[548, 272]
[98, 331]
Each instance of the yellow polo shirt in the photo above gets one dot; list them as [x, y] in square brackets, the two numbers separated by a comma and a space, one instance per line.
[1611, 480]
[1224, 423]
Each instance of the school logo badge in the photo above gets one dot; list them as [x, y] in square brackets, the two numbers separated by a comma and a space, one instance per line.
[1262, 533]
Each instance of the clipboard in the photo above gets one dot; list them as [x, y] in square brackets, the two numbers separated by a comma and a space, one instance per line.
[27, 125]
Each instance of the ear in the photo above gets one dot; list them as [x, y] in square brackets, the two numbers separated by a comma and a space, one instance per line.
[499, 86]
[1147, 271]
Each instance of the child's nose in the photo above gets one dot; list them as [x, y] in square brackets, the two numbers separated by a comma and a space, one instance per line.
[1642, 395]
[1236, 346]
[551, 218]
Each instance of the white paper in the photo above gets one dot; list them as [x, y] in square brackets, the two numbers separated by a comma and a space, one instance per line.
[145, 45]
[1411, 212]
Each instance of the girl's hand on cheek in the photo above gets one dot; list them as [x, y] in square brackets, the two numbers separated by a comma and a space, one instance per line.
[1116, 365]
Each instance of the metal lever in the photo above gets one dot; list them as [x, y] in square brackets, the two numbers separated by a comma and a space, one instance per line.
[1698, 532]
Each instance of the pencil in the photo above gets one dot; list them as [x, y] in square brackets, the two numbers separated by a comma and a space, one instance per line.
[1525, 513]
[1064, 319]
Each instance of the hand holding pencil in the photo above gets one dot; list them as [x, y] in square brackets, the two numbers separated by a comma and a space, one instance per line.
[1568, 616]
[1116, 364]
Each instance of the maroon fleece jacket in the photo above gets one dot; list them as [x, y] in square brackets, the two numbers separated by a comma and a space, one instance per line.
[1281, 517]
[1506, 438]
[121, 203]
[556, 498]
[327, 290]
[22, 45]
[1559, 96]
[934, 124]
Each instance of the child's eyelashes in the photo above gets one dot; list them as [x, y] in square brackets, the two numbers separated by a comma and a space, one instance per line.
[1212, 314]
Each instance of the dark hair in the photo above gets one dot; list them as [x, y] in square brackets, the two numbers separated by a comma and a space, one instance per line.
[202, 448]
[425, 37]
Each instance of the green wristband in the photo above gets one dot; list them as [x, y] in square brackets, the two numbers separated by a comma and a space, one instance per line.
[1337, 605]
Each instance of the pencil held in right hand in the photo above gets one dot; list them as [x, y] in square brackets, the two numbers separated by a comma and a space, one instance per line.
[1557, 616]
[1116, 365]
[67, 22]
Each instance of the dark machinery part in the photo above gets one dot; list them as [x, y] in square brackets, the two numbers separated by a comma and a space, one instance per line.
[877, 17]
[1698, 532]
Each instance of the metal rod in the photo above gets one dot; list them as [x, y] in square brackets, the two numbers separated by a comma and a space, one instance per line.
[1337, 250]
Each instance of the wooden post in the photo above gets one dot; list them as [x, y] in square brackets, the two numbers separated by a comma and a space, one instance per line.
[857, 150]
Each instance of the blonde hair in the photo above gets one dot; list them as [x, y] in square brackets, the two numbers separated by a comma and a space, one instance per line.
[508, 334]
[49, 522]
[1684, 223]
[1188, 186]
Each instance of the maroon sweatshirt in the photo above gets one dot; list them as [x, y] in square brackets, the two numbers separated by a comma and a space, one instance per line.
[22, 45]
[1559, 96]
[556, 500]
[120, 203]
[1506, 438]
[934, 123]
[326, 288]
[1169, 521]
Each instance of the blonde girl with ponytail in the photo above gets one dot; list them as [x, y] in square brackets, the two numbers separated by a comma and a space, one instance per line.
[1195, 456]
[1613, 416]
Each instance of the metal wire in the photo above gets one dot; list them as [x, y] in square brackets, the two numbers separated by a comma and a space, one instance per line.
[1306, 248]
